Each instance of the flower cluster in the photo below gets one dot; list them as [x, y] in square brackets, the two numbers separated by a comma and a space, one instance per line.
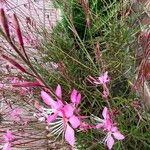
[8, 139]
[63, 117]
[67, 112]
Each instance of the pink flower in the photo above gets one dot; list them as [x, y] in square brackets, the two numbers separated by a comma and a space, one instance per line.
[7, 146]
[64, 111]
[56, 106]
[107, 125]
[8, 138]
[111, 135]
[102, 80]
[75, 97]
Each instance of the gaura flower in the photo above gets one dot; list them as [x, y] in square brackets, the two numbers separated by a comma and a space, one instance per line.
[102, 80]
[105, 123]
[61, 115]
[8, 138]
[112, 134]
[108, 126]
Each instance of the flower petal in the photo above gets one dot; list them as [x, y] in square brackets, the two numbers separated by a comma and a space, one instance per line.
[118, 135]
[75, 122]
[48, 99]
[59, 104]
[100, 125]
[7, 146]
[70, 135]
[73, 96]
[58, 92]
[8, 137]
[51, 118]
[110, 142]
[105, 112]
[68, 110]
[78, 99]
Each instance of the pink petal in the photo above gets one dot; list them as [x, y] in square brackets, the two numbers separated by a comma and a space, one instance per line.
[70, 135]
[114, 129]
[48, 99]
[8, 137]
[118, 135]
[51, 118]
[68, 110]
[58, 92]
[105, 77]
[75, 122]
[78, 99]
[105, 112]
[7, 146]
[73, 96]
[59, 104]
[100, 125]
[110, 142]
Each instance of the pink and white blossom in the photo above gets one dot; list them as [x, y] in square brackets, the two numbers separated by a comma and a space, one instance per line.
[62, 116]
[8, 139]
[102, 80]
[107, 125]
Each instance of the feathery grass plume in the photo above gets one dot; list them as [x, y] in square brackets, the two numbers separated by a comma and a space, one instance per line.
[18, 31]
[4, 22]
[87, 13]
[14, 63]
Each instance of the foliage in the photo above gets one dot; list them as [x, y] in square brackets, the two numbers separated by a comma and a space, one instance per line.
[92, 38]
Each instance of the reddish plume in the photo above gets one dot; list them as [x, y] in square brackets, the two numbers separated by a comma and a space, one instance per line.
[4, 22]
[87, 13]
[18, 31]
[81, 2]
[14, 63]
[98, 54]
[147, 71]
[27, 84]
